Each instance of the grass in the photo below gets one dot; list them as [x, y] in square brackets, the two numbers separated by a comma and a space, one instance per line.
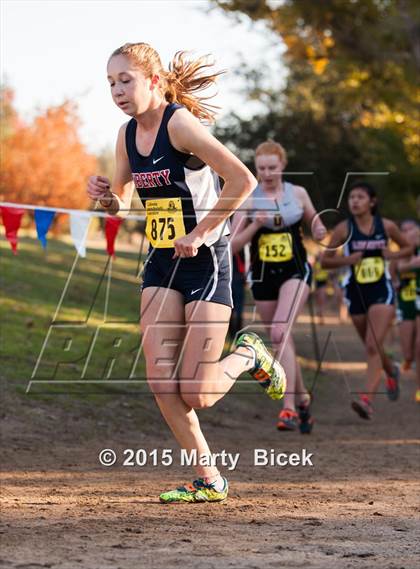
[59, 329]
[64, 316]
[84, 338]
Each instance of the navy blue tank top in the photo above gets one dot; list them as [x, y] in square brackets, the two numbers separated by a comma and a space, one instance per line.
[177, 189]
[372, 269]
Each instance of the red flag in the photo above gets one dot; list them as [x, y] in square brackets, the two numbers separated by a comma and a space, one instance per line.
[112, 225]
[11, 219]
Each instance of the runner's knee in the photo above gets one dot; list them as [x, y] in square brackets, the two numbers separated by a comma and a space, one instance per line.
[198, 400]
[371, 348]
[160, 380]
[159, 387]
[278, 332]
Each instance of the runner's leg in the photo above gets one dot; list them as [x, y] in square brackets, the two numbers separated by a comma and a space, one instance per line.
[203, 378]
[301, 391]
[380, 318]
[407, 339]
[360, 323]
[266, 310]
[292, 296]
[163, 328]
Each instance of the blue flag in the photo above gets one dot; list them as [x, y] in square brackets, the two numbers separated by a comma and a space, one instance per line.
[43, 220]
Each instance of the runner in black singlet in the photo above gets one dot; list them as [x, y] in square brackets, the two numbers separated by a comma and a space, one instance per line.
[368, 288]
[171, 159]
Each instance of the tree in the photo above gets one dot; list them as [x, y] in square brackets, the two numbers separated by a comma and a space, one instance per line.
[45, 163]
[9, 120]
[351, 99]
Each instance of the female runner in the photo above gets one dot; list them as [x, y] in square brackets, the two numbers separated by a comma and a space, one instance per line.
[406, 294]
[271, 220]
[186, 292]
[368, 288]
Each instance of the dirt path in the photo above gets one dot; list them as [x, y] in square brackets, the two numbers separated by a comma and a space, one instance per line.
[358, 506]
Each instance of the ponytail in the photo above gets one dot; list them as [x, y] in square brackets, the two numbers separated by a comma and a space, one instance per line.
[182, 82]
[185, 78]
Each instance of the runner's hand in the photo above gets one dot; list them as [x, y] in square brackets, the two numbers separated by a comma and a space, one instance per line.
[187, 246]
[261, 218]
[319, 232]
[99, 188]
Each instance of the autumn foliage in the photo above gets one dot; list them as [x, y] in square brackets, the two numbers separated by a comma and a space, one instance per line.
[44, 162]
[9, 120]
[350, 100]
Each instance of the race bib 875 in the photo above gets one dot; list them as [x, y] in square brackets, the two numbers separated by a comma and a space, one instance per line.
[165, 222]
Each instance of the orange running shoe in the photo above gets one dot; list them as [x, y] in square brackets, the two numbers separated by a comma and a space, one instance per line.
[288, 420]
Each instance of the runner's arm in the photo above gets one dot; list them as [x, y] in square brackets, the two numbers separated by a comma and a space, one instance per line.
[413, 263]
[242, 230]
[188, 135]
[330, 259]
[406, 250]
[122, 183]
[310, 215]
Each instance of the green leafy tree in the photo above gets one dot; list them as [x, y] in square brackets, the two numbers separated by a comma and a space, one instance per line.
[351, 98]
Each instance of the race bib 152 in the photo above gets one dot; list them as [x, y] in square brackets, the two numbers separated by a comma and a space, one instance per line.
[275, 247]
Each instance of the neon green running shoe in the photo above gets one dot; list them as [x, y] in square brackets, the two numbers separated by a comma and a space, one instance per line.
[198, 491]
[267, 371]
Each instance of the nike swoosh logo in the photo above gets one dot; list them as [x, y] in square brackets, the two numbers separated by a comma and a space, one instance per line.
[196, 290]
[157, 160]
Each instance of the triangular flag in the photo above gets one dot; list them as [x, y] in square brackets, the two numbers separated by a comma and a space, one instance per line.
[112, 225]
[79, 225]
[11, 219]
[43, 220]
